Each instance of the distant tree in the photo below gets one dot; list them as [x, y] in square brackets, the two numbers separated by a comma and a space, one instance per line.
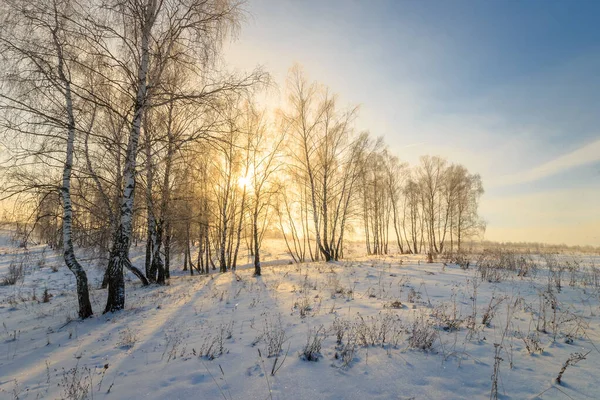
[264, 163]
[430, 175]
[322, 151]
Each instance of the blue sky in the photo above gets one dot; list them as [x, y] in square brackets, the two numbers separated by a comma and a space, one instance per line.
[508, 88]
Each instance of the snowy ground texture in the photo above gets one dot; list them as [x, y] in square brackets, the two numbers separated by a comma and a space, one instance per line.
[369, 328]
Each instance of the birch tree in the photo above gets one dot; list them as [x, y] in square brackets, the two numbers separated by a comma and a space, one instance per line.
[147, 32]
[37, 44]
[322, 150]
[264, 163]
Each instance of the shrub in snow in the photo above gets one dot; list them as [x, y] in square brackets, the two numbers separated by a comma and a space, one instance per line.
[214, 342]
[413, 296]
[46, 297]
[378, 330]
[312, 349]
[76, 383]
[422, 334]
[448, 316]
[490, 310]
[531, 341]
[273, 335]
[14, 274]
[574, 358]
[303, 306]
[127, 339]
[345, 352]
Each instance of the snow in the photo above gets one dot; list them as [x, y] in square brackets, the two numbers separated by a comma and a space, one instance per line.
[153, 349]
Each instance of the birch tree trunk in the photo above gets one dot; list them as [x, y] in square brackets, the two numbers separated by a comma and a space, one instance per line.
[83, 296]
[257, 269]
[119, 256]
[151, 220]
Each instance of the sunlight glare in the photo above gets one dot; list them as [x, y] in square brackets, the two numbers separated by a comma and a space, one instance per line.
[244, 182]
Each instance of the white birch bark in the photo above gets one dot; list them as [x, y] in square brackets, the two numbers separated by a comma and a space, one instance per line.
[83, 297]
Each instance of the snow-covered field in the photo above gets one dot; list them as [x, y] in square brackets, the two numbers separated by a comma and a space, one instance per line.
[368, 328]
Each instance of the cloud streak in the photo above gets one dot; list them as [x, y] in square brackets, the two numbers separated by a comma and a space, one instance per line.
[585, 155]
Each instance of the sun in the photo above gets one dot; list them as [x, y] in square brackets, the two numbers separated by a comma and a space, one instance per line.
[244, 182]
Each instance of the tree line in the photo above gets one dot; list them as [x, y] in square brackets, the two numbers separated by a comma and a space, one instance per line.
[122, 125]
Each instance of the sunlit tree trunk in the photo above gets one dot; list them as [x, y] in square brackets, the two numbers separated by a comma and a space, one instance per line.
[119, 256]
[83, 296]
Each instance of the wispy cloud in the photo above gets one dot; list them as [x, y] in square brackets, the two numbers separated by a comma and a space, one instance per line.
[587, 154]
